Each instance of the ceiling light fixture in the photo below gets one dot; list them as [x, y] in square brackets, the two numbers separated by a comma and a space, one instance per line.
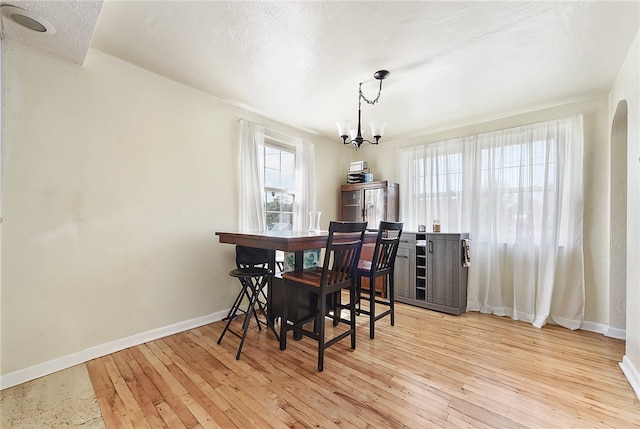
[377, 127]
[27, 19]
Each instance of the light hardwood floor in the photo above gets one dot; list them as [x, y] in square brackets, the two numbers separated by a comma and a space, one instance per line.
[430, 370]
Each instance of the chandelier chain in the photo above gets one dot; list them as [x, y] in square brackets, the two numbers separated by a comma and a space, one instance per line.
[375, 100]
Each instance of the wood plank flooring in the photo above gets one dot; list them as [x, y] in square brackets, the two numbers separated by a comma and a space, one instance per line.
[430, 370]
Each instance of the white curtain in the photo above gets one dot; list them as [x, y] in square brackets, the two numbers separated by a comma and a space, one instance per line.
[252, 216]
[252, 202]
[305, 184]
[520, 193]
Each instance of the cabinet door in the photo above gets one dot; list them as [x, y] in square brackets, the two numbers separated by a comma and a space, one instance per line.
[351, 208]
[443, 258]
[375, 206]
[404, 272]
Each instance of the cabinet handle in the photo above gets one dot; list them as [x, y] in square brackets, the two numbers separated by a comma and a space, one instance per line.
[430, 246]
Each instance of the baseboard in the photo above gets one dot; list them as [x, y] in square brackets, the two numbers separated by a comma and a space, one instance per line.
[618, 333]
[40, 370]
[606, 330]
[631, 373]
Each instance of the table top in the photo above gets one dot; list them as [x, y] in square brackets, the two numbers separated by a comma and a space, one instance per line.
[288, 241]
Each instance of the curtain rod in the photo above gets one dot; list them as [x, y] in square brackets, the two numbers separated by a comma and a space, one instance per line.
[279, 132]
[270, 129]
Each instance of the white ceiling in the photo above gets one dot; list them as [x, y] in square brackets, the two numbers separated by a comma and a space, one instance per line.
[300, 62]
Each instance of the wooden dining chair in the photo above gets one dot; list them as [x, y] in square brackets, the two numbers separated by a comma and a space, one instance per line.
[326, 283]
[381, 266]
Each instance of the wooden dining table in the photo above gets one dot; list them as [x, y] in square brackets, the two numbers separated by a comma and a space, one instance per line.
[287, 241]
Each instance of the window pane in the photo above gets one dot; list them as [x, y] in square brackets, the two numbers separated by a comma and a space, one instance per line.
[279, 179]
[288, 161]
[271, 178]
[279, 211]
[287, 180]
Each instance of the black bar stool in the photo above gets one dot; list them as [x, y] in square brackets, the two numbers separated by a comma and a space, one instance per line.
[338, 272]
[252, 272]
[382, 264]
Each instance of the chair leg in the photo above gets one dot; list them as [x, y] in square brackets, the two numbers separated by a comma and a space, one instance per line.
[336, 301]
[322, 308]
[251, 284]
[372, 307]
[251, 288]
[358, 291]
[262, 306]
[247, 321]
[284, 317]
[232, 313]
[352, 315]
[391, 298]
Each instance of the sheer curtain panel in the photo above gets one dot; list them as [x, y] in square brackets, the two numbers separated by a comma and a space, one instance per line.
[519, 192]
[305, 184]
[252, 214]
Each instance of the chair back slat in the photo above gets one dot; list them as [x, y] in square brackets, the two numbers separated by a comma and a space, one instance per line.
[342, 252]
[342, 266]
[387, 244]
[340, 259]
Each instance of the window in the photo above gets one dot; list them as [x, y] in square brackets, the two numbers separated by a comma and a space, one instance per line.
[509, 181]
[279, 182]
[277, 173]
[439, 179]
[519, 193]
[519, 179]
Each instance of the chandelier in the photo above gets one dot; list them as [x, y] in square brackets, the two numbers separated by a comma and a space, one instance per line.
[377, 127]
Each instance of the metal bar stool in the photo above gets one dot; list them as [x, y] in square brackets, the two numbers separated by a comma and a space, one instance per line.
[252, 272]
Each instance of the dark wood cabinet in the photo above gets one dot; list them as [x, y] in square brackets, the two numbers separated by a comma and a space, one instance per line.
[371, 202]
[439, 274]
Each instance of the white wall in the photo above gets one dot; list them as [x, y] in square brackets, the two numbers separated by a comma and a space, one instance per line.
[627, 87]
[115, 181]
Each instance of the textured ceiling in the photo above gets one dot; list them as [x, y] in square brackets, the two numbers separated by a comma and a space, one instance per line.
[74, 24]
[300, 62]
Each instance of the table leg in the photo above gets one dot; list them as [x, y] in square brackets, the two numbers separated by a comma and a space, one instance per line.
[299, 260]
[272, 266]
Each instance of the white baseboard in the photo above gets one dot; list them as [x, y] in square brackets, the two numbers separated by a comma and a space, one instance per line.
[600, 328]
[631, 373]
[618, 333]
[606, 330]
[37, 371]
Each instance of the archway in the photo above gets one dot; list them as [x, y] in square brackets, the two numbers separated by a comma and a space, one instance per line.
[618, 222]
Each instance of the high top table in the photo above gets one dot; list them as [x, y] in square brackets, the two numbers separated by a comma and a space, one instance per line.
[287, 241]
